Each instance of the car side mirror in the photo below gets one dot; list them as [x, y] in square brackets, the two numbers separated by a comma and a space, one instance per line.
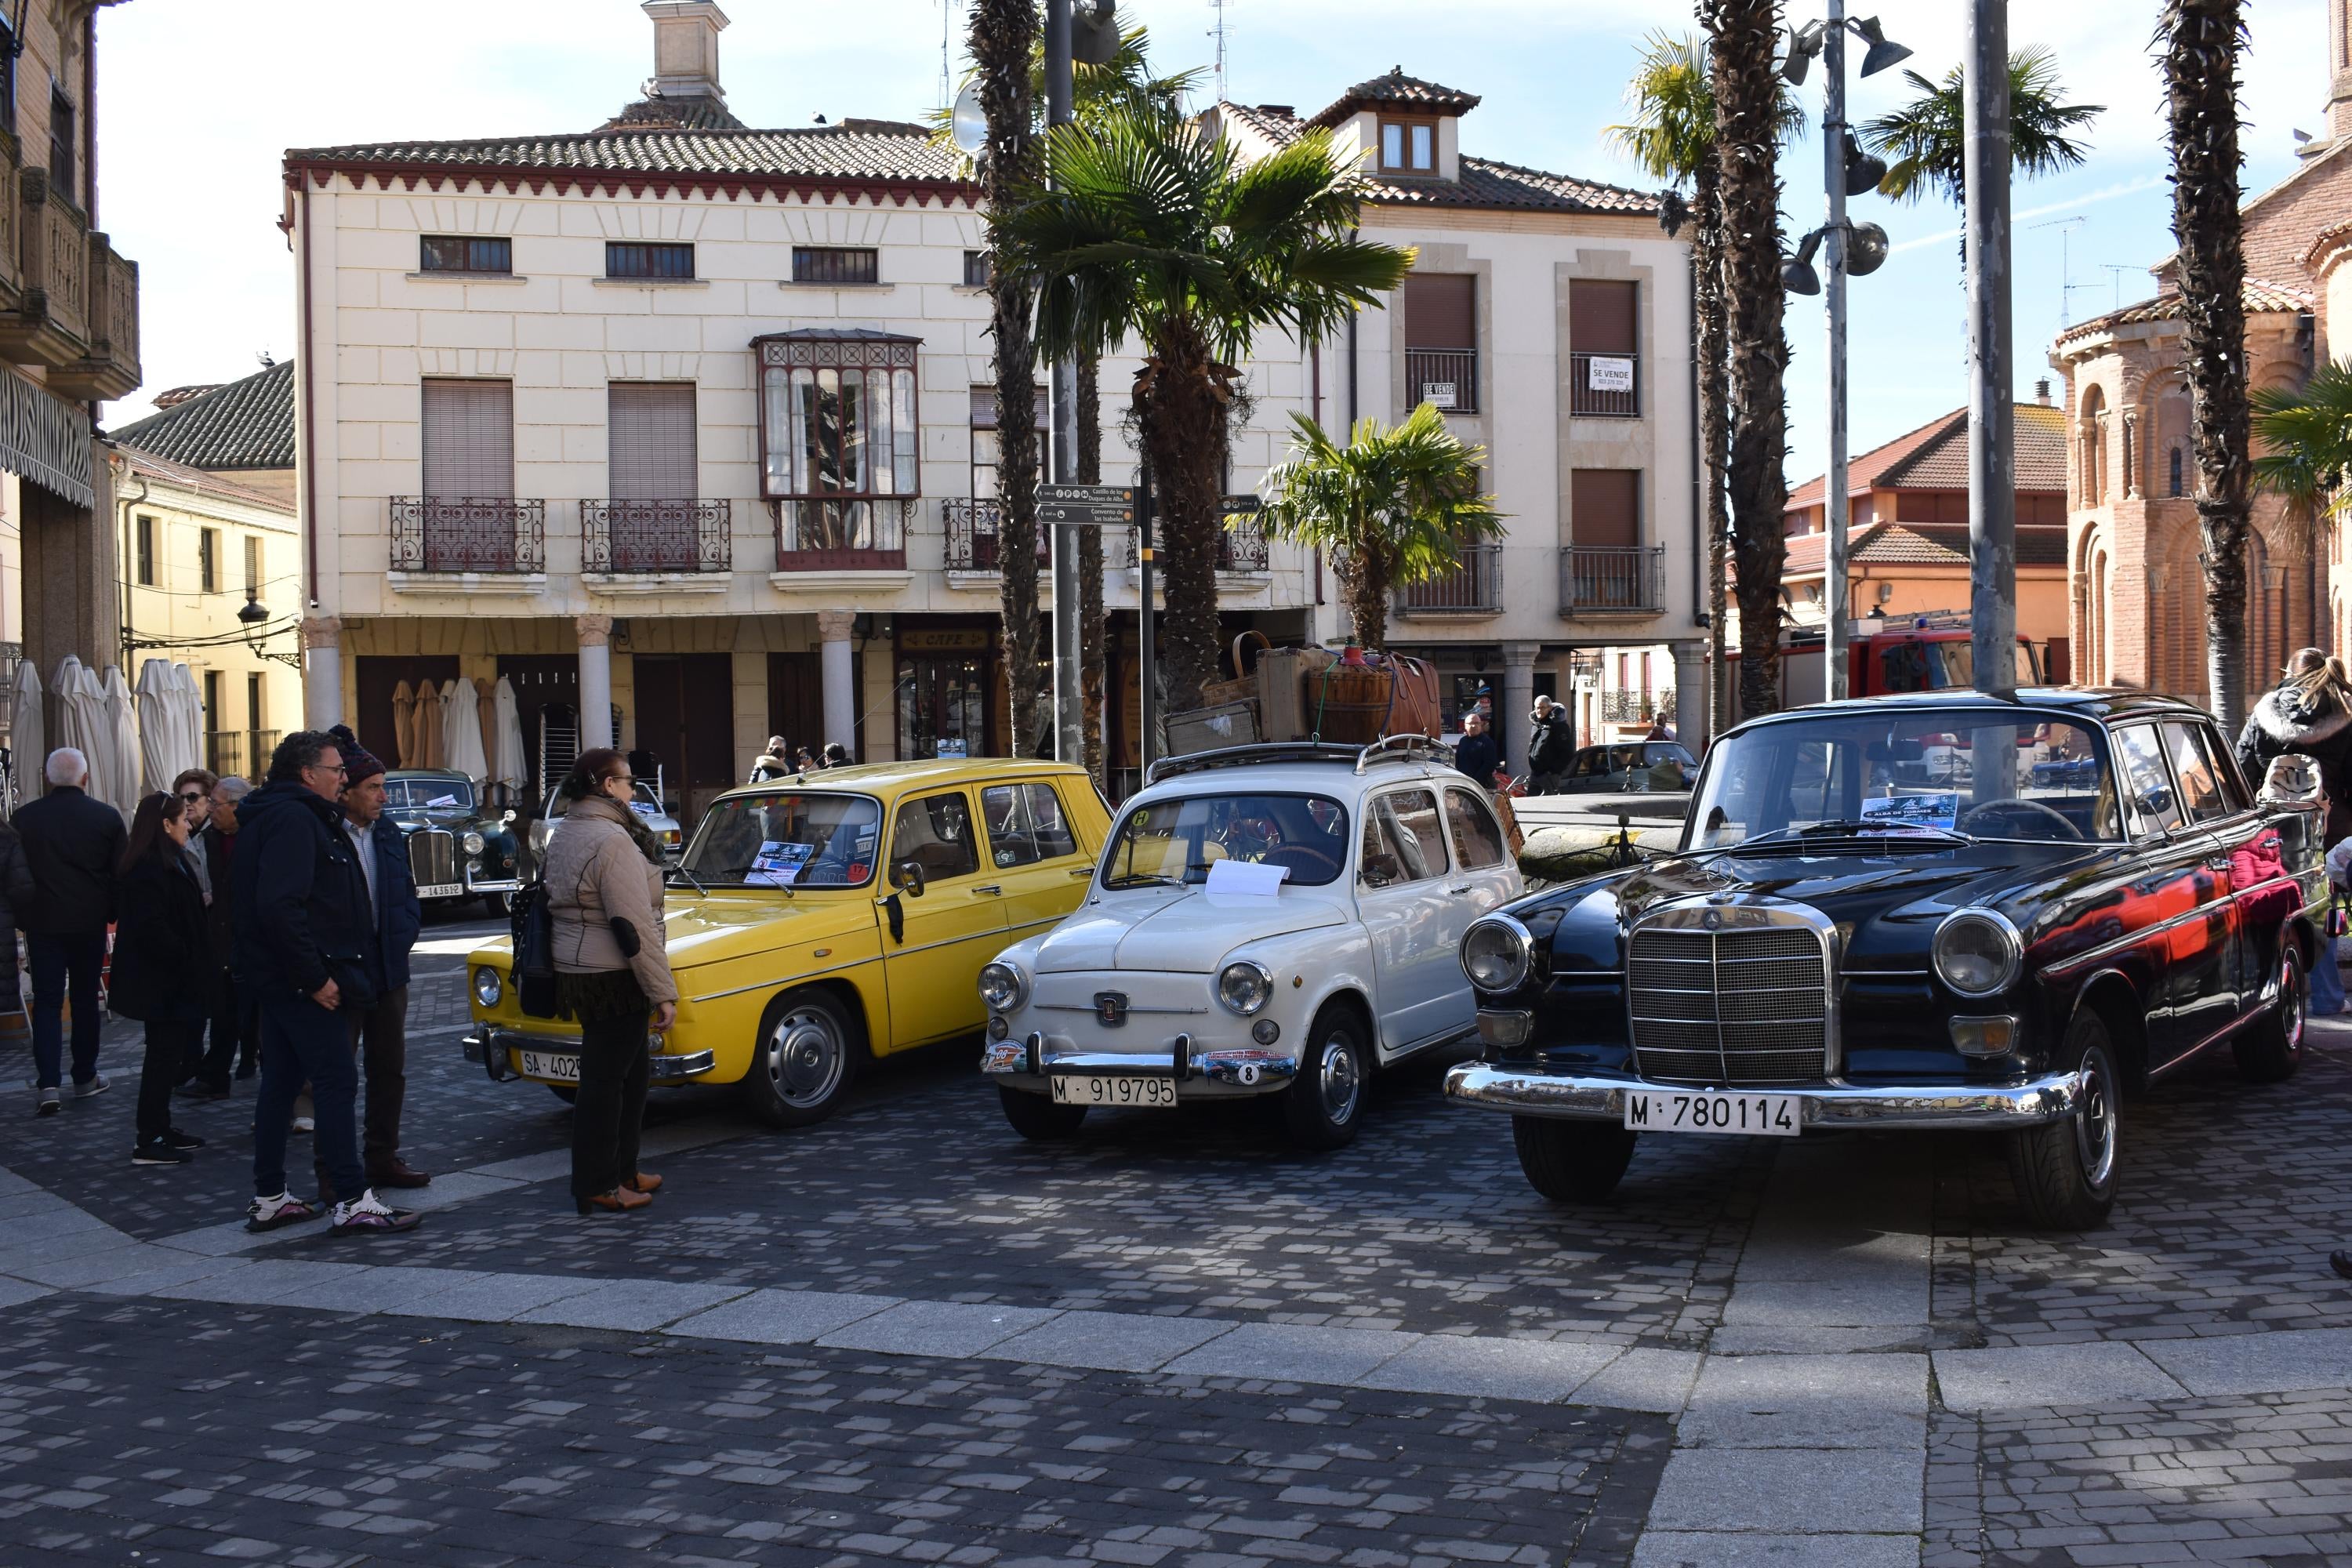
[906, 875]
[2291, 781]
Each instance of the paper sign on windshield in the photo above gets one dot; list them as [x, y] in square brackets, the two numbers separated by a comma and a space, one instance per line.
[1935, 808]
[779, 865]
[1245, 879]
[441, 800]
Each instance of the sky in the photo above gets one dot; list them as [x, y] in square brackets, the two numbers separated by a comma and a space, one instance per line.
[199, 98]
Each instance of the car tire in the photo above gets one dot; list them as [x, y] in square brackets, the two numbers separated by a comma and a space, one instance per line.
[1037, 1117]
[2066, 1172]
[1571, 1161]
[569, 1095]
[803, 1060]
[2271, 1048]
[1325, 1103]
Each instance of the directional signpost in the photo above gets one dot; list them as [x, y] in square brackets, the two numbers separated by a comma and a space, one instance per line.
[1086, 506]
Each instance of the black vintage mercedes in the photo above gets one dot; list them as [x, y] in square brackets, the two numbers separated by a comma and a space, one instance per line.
[459, 849]
[1942, 910]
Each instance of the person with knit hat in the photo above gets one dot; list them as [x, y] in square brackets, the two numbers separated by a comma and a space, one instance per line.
[380, 1031]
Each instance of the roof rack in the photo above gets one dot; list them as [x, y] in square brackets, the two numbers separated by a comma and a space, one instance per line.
[1389, 749]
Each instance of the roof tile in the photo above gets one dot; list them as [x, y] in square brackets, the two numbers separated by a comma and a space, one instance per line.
[246, 423]
[857, 150]
[2261, 297]
[1398, 91]
[1484, 183]
[1934, 456]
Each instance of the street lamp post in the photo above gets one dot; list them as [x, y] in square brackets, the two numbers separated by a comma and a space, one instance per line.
[1062, 401]
[1992, 473]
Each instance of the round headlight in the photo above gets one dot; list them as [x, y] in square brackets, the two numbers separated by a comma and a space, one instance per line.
[1002, 986]
[487, 987]
[1979, 953]
[1496, 953]
[1245, 987]
[473, 842]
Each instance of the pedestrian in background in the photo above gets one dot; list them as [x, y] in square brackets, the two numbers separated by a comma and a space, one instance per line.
[73, 844]
[236, 1028]
[836, 755]
[2308, 712]
[1477, 754]
[194, 790]
[16, 893]
[162, 965]
[300, 909]
[1551, 747]
[380, 1032]
[804, 760]
[772, 763]
[604, 881]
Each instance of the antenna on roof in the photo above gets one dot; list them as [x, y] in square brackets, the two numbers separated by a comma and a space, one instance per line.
[2066, 285]
[1218, 33]
[2118, 269]
[947, 9]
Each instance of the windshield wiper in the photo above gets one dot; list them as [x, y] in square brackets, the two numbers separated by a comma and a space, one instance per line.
[1118, 883]
[1874, 829]
[680, 870]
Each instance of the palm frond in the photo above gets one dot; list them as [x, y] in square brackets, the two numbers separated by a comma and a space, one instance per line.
[1924, 140]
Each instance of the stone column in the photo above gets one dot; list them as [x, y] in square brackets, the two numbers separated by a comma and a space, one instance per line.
[595, 634]
[840, 694]
[1518, 699]
[322, 673]
[1690, 695]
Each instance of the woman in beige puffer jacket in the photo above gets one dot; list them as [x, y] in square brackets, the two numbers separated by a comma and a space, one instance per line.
[603, 878]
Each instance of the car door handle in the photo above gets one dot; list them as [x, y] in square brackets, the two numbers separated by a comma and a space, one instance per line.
[1081, 871]
[1463, 889]
[988, 888]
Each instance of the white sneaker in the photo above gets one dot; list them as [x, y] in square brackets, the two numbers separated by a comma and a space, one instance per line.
[370, 1213]
[302, 1124]
[269, 1214]
[97, 1085]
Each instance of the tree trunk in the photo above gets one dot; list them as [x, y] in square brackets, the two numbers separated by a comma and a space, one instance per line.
[1367, 582]
[1093, 674]
[2200, 40]
[1003, 34]
[1714, 432]
[1180, 398]
[1742, 36]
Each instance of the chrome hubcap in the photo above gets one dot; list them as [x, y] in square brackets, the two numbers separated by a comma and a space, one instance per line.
[2295, 1002]
[2095, 1123]
[804, 1058]
[1340, 1080]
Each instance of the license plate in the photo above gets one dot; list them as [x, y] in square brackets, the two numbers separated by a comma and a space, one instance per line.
[1707, 1111]
[1113, 1088]
[563, 1068]
[441, 890]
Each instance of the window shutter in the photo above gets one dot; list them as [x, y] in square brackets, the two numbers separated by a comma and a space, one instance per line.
[1605, 507]
[652, 435]
[469, 440]
[1600, 317]
[1440, 310]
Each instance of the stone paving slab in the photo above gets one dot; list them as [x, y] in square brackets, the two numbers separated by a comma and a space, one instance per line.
[632, 1304]
[1807, 1402]
[1497, 1369]
[1292, 1352]
[1699, 1548]
[935, 1328]
[2274, 1362]
[1790, 1491]
[1111, 1341]
[781, 1317]
[470, 1295]
[1642, 1379]
[16, 1292]
[2041, 1376]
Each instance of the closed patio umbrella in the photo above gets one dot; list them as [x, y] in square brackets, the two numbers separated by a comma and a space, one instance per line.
[188, 707]
[158, 728]
[509, 758]
[428, 727]
[485, 708]
[28, 734]
[121, 743]
[462, 729]
[80, 716]
[404, 726]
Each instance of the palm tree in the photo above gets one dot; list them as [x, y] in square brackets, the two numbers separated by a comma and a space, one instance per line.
[1393, 507]
[2307, 437]
[1925, 142]
[1150, 227]
[1003, 37]
[2199, 41]
[1742, 39]
[1672, 137]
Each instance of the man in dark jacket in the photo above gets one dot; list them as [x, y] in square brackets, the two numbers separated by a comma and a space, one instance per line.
[1550, 746]
[73, 844]
[1477, 754]
[236, 1027]
[379, 1033]
[303, 935]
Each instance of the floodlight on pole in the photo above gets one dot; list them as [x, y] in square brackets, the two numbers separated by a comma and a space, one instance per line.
[968, 122]
[1863, 170]
[1804, 43]
[1883, 52]
[1796, 274]
[1865, 248]
[1094, 31]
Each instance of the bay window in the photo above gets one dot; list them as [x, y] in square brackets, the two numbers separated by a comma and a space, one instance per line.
[838, 422]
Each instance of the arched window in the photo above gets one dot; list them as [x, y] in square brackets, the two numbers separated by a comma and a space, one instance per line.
[2176, 479]
[2091, 468]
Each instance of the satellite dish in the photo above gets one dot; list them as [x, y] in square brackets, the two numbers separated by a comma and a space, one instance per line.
[1094, 31]
[967, 121]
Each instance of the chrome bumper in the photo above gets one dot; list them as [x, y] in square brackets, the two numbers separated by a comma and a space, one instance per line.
[1041, 1056]
[488, 1049]
[501, 885]
[1601, 1096]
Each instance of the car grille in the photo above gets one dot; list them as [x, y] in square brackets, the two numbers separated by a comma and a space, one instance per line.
[433, 858]
[1734, 1007]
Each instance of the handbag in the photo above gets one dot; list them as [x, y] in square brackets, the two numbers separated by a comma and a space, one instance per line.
[533, 930]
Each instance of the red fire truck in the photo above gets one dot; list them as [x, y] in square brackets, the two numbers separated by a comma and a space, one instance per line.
[1925, 652]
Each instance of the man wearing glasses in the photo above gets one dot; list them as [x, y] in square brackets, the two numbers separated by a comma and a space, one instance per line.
[304, 936]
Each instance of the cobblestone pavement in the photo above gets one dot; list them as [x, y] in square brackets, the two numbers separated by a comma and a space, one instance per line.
[1869, 1357]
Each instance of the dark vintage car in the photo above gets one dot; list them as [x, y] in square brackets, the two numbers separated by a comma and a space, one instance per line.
[458, 849]
[1835, 944]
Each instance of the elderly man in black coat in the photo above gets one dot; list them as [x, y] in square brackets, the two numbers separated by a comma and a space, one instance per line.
[73, 844]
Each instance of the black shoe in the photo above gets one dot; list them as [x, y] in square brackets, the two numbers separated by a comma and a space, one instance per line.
[158, 1153]
[179, 1140]
[2341, 1261]
[197, 1088]
[247, 1069]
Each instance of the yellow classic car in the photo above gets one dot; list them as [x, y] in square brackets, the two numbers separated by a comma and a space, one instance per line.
[822, 919]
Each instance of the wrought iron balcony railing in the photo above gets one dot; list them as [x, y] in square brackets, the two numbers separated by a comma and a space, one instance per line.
[468, 534]
[1473, 588]
[1604, 387]
[973, 538]
[1447, 377]
[1612, 580]
[827, 534]
[1626, 707]
[1242, 547]
[240, 754]
[626, 536]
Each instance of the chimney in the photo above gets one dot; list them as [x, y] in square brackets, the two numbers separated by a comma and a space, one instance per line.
[685, 49]
[2041, 392]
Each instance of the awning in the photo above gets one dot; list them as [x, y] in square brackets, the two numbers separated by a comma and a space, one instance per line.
[44, 440]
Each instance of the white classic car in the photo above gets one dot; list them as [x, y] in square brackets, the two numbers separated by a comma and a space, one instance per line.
[1276, 919]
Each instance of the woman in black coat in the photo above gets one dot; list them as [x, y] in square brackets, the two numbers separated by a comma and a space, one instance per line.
[2308, 713]
[163, 968]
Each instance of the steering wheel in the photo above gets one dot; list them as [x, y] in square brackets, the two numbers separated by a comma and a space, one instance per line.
[2024, 813]
[1292, 854]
